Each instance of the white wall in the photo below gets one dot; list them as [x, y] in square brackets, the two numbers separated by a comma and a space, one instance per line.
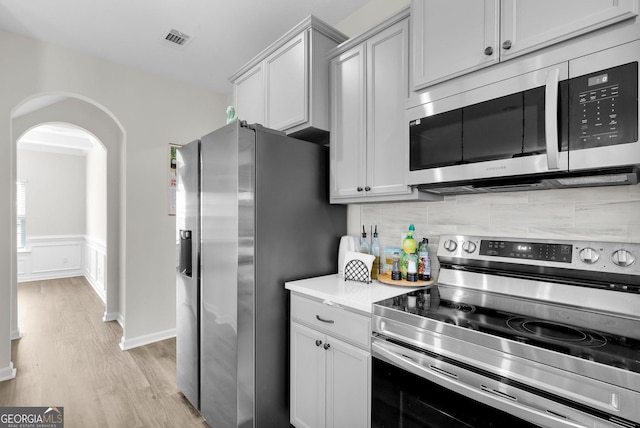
[603, 213]
[152, 112]
[96, 194]
[56, 192]
[369, 15]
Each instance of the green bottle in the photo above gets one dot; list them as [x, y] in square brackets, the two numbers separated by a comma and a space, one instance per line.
[409, 247]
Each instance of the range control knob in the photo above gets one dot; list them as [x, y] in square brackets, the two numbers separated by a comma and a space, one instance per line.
[622, 258]
[450, 245]
[589, 255]
[469, 246]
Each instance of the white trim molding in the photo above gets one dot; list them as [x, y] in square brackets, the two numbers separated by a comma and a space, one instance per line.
[114, 316]
[51, 257]
[94, 265]
[7, 373]
[16, 334]
[126, 344]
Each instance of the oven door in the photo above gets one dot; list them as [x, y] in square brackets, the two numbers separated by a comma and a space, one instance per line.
[411, 388]
[513, 127]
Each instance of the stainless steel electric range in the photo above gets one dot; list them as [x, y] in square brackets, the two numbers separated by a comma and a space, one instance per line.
[515, 333]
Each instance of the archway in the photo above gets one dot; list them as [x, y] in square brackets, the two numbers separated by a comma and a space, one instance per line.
[88, 115]
[61, 170]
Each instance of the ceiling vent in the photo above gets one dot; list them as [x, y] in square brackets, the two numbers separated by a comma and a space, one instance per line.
[177, 37]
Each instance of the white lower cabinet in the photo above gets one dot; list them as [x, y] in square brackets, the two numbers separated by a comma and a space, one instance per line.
[330, 378]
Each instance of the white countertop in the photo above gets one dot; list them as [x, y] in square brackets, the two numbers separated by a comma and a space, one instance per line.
[350, 294]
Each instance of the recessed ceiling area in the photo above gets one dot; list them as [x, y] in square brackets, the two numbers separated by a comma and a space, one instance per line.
[224, 35]
[58, 138]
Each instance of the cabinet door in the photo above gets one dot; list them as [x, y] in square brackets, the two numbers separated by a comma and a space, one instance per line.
[451, 38]
[387, 90]
[286, 72]
[249, 90]
[530, 25]
[348, 128]
[308, 377]
[348, 386]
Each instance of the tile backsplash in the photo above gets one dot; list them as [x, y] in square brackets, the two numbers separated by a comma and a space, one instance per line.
[597, 213]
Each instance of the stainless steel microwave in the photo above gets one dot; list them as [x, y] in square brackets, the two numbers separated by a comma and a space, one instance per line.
[568, 125]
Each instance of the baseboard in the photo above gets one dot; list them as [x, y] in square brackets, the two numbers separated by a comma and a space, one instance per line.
[126, 344]
[100, 292]
[50, 275]
[113, 316]
[16, 334]
[7, 373]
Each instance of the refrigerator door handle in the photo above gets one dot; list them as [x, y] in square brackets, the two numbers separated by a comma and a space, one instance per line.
[185, 267]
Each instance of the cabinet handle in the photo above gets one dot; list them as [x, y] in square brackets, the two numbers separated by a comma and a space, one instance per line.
[359, 189]
[366, 189]
[318, 342]
[506, 45]
[488, 51]
[324, 320]
[326, 346]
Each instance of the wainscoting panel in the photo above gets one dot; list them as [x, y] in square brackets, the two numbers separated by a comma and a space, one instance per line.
[95, 257]
[56, 257]
[51, 257]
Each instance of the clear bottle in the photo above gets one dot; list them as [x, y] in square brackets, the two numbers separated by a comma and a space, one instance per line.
[424, 261]
[412, 268]
[364, 244]
[395, 269]
[375, 251]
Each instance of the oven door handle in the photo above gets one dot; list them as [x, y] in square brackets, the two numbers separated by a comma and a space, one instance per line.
[395, 355]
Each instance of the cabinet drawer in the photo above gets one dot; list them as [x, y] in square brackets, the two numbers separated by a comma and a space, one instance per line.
[336, 321]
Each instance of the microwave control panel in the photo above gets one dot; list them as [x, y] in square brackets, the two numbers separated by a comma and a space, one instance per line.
[604, 108]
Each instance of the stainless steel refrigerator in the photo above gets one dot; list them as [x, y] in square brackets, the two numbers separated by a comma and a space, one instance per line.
[252, 212]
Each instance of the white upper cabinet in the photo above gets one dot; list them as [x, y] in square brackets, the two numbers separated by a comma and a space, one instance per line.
[527, 26]
[249, 93]
[387, 89]
[286, 86]
[454, 37]
[348, 126]
[369, 89]
[450, 38]
[286, 76]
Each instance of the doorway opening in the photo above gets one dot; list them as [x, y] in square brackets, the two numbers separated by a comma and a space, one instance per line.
[101, 238]
[62, 205]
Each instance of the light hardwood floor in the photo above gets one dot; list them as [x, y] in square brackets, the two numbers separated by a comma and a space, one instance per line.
[69, 357]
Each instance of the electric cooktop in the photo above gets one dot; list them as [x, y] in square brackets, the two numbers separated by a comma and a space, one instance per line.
[607, 339]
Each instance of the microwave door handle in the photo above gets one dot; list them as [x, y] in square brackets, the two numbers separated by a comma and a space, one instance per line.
[551, 118]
